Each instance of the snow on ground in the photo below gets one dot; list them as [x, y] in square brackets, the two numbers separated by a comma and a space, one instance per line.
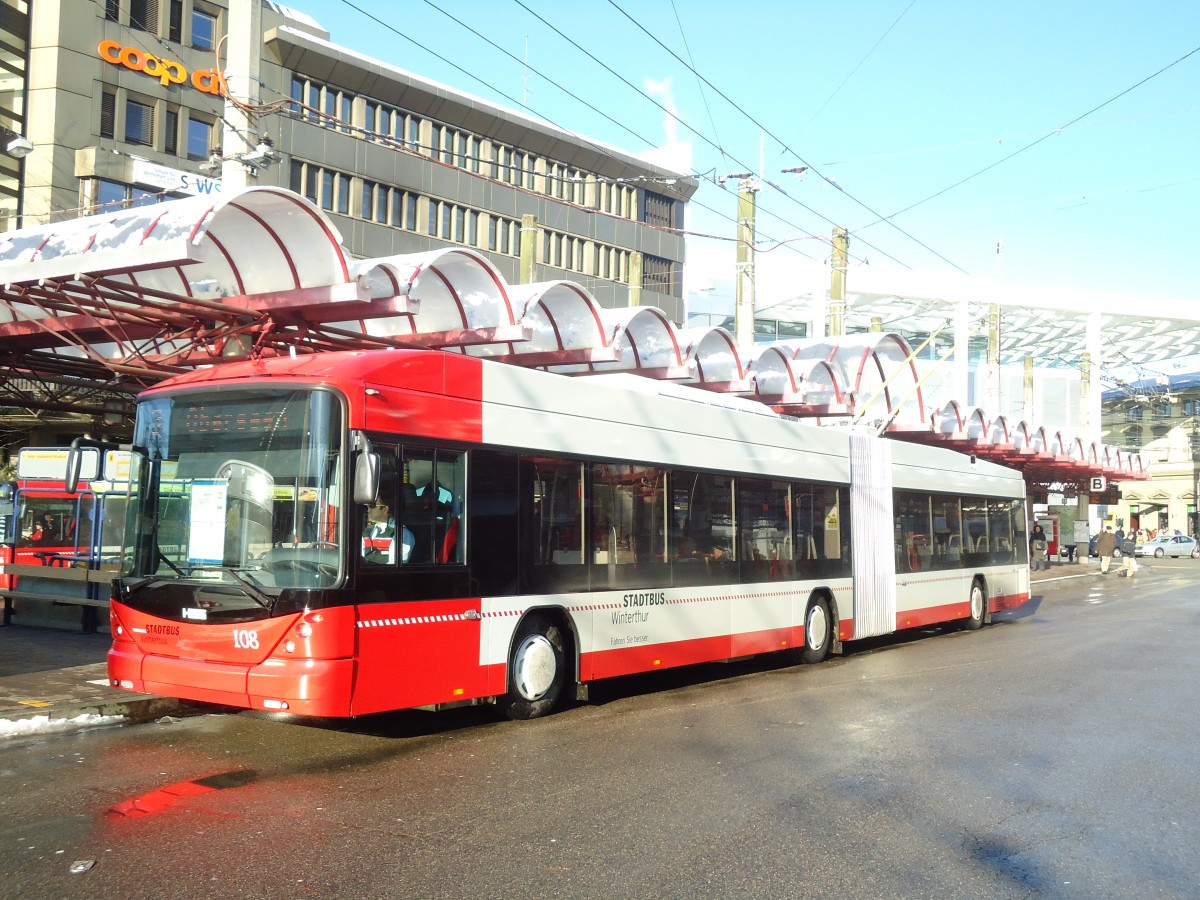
[46, 725]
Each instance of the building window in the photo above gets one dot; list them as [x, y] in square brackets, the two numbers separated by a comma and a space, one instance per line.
[657, 274]
[175, 22]
[112, 10]
[171, 137]
[108, 196]
[343, 194]
[1162, 411]
[108, 114]
[658, 210]
[1133, 414]
[326, 189]
[375, 202]
[143, 15]
[204, 29]
[139, 123]
[199, 139]
[404, 209]
[330, 108]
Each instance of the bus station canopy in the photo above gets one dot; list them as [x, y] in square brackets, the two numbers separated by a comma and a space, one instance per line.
[94, 309]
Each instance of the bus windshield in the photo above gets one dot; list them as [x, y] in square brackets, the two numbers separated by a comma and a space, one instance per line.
[238, 487]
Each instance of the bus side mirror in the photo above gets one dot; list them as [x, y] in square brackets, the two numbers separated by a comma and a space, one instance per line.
[366, 477]
[74, 471]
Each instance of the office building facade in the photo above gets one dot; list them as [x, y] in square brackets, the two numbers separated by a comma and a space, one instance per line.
[123, 102]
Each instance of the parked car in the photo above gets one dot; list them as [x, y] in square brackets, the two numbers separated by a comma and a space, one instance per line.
[1092, 547]
[1170, 545]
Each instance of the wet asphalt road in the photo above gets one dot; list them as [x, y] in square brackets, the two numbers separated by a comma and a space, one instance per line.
[1050, 754]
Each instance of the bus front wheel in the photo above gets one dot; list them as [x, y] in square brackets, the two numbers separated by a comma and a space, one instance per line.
[978, 601]
[536, 669]
[818, 630]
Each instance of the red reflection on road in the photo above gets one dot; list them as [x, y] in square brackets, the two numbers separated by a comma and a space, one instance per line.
[163, 798]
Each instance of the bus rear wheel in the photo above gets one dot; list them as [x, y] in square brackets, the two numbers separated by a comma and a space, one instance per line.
[536, 669]
[978, 600]
[818, 631]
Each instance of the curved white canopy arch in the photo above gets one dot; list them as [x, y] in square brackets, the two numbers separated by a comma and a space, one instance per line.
[644, 341]
[562, 320]
[455, 289]
[956, 421]
[1019, 437]
[875, 366]
[712, 356]
[997, 433]
[255, 241]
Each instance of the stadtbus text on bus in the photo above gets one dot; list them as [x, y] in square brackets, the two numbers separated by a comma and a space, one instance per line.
[349, 533]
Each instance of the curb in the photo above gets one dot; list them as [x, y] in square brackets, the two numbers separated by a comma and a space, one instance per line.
[136, 709]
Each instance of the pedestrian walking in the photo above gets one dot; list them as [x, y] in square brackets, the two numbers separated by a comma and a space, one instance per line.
[1106, 546]
[1037, 549]
[1129, 564]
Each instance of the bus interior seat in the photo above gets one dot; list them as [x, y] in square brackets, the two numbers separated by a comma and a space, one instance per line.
[449, 542]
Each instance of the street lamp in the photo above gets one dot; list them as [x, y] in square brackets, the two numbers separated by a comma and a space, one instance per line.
[15, 145]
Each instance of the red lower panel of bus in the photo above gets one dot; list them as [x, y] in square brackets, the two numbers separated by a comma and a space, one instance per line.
[934, 615]
[420, 654]
[300, 663]
[1007, 601]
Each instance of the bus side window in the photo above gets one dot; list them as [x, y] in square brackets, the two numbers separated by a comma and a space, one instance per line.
[382, 538]
[433, 510]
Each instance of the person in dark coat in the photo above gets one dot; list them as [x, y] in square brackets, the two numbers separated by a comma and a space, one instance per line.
[1037, 549]
[1106, 546]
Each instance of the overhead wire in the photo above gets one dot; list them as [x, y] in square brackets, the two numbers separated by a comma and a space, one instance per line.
[1031, 144]
[550, 80]
[699, 83]
[782, 143]
[700, 134]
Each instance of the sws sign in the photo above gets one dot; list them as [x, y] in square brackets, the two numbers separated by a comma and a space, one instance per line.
[208, 81]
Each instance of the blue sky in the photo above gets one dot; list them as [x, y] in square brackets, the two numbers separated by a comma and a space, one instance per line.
[896, 106]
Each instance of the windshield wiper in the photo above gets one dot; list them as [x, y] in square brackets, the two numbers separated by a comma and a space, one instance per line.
[178, 571]
[263, 599]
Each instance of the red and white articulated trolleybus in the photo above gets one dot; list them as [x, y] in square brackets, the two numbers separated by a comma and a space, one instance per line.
[347, 533]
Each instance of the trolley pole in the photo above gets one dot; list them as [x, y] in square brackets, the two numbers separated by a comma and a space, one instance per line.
[244, 49]
[993, 360]
[743, 317]
[529, 236]
[835, 322]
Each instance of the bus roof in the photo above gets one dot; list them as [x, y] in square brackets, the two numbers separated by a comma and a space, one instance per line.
[507, 403]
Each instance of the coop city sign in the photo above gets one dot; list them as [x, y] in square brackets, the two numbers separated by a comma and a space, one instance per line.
[208, 81]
